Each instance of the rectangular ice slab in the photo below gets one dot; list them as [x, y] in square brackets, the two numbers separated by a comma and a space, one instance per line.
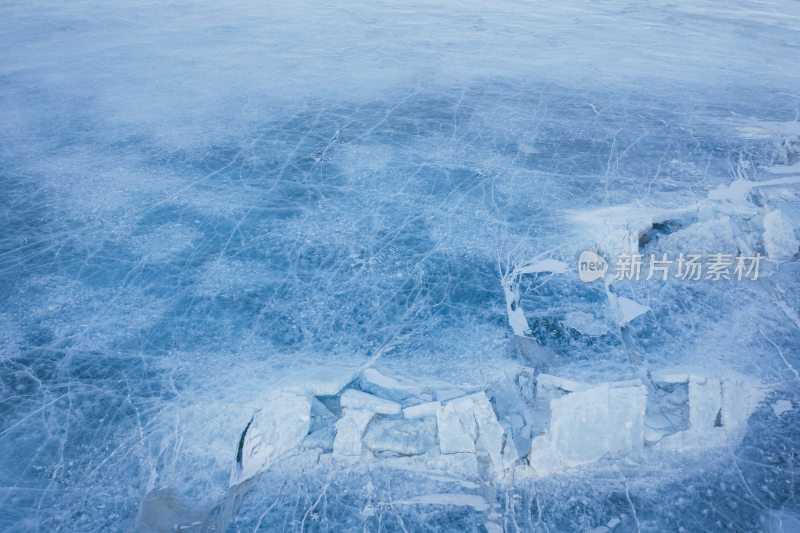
[353, 399]
[349, 430]
[376, 383]
[705, 402]
[421, 410]
[401, 437]
[586, 425]
[456, 422]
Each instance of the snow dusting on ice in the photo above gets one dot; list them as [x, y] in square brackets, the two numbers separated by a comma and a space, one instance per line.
[306, 267]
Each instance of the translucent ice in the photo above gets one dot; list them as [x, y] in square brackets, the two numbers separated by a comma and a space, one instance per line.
[275, 430]
[604, 420]
[456, 424]
[202, 204]
[401, 437]
[780, 242]
[353, 399]
[349, 431]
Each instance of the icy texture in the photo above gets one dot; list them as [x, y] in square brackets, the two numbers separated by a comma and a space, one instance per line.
[273, 432]
[456, 423]
[386, 386]
[349, 431]
[780, 242]
[401, 437]
[204, 203]
[421, 410]
[585, 323]
[492, 437]
[353, 399]
[626, 309]
[605, 420]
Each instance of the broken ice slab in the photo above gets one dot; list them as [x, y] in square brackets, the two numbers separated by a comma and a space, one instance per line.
[354, 399]
[781, 406]
[349, 431]
[705, 402]
[527, 346]
[469, 424]
[789, 170]
[589, 424]
[319, 411]
[549, 387]
[718, 408]
[400, 436]
[491, 436]
[456, 423]
[671, 375]
[548, 381]
[616, 230]
[321, 433]
[585, 324]
[378, 384]
[421, 410]
[321, 438]
[276, 430]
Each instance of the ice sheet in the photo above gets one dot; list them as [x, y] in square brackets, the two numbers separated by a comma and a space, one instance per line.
[206, 203]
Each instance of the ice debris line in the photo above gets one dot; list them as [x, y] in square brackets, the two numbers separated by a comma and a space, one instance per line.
[530, 425]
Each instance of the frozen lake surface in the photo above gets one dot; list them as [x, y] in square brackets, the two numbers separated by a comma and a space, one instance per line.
[251, 263]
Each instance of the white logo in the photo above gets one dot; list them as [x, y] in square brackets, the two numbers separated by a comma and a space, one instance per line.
[591, 266]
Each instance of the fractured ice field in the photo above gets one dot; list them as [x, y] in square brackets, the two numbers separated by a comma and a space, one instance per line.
[313, 267]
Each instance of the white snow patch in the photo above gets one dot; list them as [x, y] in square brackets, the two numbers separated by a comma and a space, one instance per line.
[781, 406]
